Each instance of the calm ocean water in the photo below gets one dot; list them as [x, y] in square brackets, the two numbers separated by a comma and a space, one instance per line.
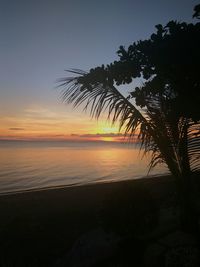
[39, 165]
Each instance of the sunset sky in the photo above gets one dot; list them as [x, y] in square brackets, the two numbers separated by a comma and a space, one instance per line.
[41, 38]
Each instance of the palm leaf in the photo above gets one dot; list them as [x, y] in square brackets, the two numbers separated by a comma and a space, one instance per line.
[98, 97]
[158, 131]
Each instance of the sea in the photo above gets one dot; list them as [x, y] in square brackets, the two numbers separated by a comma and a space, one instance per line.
[39, 165]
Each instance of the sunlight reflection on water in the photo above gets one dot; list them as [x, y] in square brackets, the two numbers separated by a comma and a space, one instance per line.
[26, 166]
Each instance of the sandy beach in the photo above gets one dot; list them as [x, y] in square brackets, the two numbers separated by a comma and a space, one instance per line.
[40, 227]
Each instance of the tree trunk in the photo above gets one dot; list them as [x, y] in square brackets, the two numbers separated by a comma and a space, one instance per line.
[188, 206]
[188, 199]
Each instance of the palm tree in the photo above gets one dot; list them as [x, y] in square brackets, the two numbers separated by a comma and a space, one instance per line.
[154, 112]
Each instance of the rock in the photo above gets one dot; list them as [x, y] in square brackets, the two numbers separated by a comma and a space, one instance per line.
[177, 239]
[182, 256]
[152, 255]
[173, 250]
[90, 248]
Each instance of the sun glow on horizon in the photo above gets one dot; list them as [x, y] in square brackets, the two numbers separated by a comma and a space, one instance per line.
[107, 139]
[39, 123]
[104, 127]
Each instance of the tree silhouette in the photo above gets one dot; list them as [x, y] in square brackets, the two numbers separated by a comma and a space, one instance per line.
[164, 112]
[196, 11]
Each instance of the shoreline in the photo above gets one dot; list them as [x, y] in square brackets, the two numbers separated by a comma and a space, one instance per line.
[96, 183]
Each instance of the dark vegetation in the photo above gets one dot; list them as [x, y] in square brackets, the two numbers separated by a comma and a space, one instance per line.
[164, 112]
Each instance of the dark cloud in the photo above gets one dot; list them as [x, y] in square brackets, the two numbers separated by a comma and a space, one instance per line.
[16, 129]
[97, 135]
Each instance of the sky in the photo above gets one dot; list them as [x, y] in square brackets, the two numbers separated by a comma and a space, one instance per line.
[39, 39]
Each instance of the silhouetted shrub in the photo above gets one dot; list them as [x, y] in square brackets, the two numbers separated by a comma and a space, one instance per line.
[182, 256]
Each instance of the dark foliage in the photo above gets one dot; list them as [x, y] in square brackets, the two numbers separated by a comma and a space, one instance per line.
[164, 112]
[196, 12]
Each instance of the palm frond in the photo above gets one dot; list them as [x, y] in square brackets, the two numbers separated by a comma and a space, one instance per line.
[100, 97]
[157, 130]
